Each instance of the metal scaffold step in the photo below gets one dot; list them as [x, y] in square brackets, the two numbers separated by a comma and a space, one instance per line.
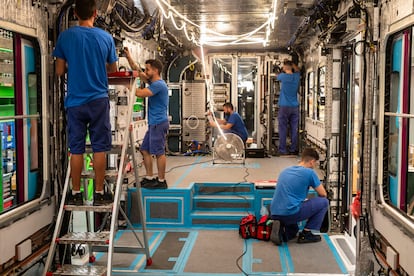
[110, 175]
[116, 147]
[98, 238]
[69, 270]
[90, 208]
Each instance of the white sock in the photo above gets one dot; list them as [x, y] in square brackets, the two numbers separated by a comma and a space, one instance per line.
[161, 180]
[75, 192]
[149, 177]
[100, 192]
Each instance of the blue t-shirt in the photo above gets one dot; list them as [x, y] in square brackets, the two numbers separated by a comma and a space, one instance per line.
[238, 127]
[86, 52]
[289, 89]
[158, 103]
[292, 189]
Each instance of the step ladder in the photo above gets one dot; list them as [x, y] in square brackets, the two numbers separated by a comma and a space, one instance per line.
[103, 241]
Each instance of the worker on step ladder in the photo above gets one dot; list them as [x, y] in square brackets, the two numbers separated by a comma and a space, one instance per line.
[87, 101]
[87, 107]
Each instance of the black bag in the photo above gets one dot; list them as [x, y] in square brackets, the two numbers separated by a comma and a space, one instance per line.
[264, 228]
[247, 227]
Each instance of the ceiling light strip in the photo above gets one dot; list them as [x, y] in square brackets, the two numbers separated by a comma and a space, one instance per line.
[242, 39]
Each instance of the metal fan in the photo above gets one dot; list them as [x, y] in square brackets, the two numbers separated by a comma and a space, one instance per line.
[229, 147]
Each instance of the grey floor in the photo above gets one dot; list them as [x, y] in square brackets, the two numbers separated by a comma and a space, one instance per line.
[222, 251]
[184, 170]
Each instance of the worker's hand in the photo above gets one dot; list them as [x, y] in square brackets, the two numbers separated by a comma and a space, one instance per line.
[143, 76]
[127, 53]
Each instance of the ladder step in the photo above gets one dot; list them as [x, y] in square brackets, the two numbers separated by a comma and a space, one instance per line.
[79, 270]
[115, 148]
[91, 208]
[110, 175]
[119, 249]
[96, 238]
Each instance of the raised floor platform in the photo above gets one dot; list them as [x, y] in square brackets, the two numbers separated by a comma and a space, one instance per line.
[193, 226]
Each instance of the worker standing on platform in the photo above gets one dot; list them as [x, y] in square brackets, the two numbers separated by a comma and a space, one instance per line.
[88, 54]
[288, 114]
[158, 124]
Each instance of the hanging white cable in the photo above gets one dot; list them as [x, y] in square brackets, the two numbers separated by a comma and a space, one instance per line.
[209, 91]
[236, 39]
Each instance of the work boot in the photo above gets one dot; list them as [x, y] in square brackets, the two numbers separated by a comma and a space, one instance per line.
[306, 236]
[275, 236]
[145, 182]
[156, 184]
[75, 199]
[102, 199]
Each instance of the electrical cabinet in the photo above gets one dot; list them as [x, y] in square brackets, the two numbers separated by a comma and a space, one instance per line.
[193, 111]
[220, 95]
[273, 113]
[7, 126]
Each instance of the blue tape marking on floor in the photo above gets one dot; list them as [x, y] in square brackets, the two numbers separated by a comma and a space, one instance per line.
[248, 256]
[187, 172]
[282, 258]
[186, 251]
[230, 165]
[289, 259]
[335, 254]
[158, 237]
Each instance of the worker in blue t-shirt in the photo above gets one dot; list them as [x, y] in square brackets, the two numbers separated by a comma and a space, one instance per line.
[158, 123]
[290, 204]
[232, 122]
[288, 113]
[87, 54]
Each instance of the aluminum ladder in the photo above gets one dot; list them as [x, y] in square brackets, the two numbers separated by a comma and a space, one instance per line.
[103, 241]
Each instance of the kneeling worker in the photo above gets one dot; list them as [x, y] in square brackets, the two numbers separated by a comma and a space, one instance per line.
[232, 122]
[290, 204]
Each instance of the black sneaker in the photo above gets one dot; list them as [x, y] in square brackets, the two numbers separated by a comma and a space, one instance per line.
[102, 199]
[307, 237]
[156, 184]
[145, 181]
[275, 236]
[76, 199]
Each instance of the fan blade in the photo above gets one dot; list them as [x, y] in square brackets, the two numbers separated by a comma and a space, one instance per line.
[229, 147]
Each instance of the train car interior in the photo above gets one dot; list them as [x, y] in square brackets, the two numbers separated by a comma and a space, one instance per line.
[356, 109]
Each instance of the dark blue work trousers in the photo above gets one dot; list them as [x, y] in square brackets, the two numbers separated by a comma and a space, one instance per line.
[288, 116]
[312, 210]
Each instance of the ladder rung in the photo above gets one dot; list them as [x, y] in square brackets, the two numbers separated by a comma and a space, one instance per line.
[79, 270]
[115, 148]
[98, 238]
[119, 249]
[90, 208]
[110, 175]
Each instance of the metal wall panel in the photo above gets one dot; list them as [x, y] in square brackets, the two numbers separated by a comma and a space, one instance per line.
[194, 99]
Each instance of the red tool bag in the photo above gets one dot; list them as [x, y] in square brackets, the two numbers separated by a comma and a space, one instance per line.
[247, 227]
[264, 228]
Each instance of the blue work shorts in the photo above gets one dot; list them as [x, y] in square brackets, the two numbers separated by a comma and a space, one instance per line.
[93, 117]
[154, 139]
